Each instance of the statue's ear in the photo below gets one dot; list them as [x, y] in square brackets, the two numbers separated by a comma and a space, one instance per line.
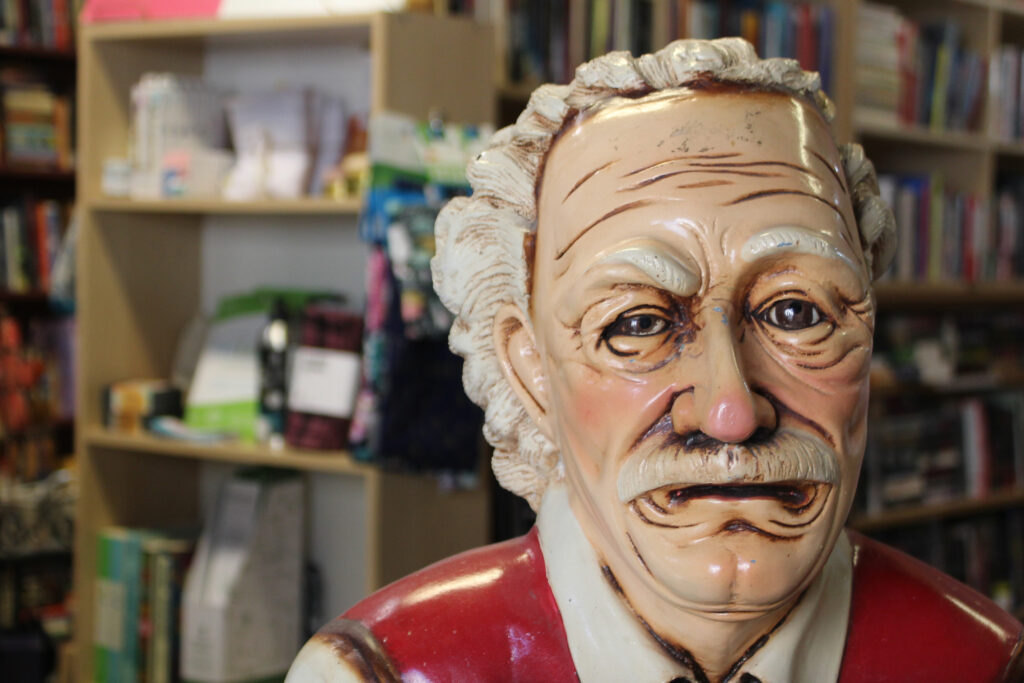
[522, 364]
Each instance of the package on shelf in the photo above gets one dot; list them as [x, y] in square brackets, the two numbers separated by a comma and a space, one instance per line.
[408, 373]
[178, 136]
[286, 142]
[128, 405]
[223, 395]
[242, 606]
[38, 512]
[324, 378]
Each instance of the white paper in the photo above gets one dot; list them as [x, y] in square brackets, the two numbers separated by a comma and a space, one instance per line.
[323, 382]
[302, 8]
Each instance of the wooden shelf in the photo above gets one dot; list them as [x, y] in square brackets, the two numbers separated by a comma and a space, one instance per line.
[959, 387]
[283, 207]
[893, 295]
[32, 298]
[930, 512]
[36, 52]
[15, 174]
[1014, 148]
[234, 453]
[868, 125]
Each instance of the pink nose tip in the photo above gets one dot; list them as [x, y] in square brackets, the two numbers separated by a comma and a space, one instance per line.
[731, 418]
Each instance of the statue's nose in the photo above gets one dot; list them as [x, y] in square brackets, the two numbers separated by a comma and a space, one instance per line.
[721, 405]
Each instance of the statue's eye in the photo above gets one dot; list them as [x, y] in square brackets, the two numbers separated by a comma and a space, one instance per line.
[791, 314]
[640, 325]
[637, 332]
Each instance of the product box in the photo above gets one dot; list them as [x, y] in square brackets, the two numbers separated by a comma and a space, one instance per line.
[130, 404]
[242, 605]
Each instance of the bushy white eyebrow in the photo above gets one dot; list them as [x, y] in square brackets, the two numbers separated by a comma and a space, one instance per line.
[794, 239]
[665, 269]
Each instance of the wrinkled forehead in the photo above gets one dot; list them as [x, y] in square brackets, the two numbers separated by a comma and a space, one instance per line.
[725, 126]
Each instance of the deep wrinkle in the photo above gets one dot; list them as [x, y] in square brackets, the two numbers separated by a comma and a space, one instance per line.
[840, 178]
[761, 194]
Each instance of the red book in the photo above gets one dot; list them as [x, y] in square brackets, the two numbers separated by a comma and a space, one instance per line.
[806, 38]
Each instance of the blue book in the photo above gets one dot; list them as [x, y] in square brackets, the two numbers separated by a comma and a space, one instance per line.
[116, 654]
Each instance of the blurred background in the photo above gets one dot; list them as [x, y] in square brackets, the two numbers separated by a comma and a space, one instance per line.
[225, 389]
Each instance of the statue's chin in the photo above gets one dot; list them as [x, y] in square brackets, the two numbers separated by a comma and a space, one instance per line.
[730, 551]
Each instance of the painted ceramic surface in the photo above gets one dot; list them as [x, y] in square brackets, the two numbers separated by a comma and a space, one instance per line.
[703, 321]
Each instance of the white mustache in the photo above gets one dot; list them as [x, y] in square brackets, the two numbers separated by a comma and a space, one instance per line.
[787, 456]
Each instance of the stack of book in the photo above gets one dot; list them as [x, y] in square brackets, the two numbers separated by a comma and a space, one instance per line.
[547, 40]
[31, 233]
[914, 73]
[35, 125]
[139, 579]
[39, 23]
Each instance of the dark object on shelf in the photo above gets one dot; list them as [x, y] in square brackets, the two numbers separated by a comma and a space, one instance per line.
[331, 338]
[273, 345]
[26, 655]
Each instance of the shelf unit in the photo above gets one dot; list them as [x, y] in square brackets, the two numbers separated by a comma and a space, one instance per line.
[21, 566]
[146, 267]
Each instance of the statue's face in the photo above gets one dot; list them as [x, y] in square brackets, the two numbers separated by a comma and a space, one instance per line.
[703, 319]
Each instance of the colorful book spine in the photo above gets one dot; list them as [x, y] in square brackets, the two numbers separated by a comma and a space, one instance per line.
[118, 594]
[169, 560]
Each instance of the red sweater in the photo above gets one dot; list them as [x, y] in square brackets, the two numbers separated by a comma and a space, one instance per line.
[489, 615]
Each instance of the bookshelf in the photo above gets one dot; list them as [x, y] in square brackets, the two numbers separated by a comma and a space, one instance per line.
[35, 555]
[145, 268]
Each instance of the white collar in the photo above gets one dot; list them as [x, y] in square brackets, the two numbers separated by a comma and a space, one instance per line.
[609, 644]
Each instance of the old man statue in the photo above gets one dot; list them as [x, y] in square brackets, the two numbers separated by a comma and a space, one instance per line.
[662, 284]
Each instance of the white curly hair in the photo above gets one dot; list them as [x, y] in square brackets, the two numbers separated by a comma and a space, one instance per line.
[481, 261]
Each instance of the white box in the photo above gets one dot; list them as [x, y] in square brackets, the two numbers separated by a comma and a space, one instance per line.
[242, 603]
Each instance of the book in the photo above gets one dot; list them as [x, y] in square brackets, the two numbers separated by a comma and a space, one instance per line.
[166, 561]
[118, 590]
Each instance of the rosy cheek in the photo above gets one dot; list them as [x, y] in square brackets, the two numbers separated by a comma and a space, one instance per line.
[610, 410]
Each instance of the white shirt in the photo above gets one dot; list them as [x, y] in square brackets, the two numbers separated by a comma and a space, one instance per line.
[608, 643]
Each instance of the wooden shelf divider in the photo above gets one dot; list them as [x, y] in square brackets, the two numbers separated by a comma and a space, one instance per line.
[929, 512]
[234, 453]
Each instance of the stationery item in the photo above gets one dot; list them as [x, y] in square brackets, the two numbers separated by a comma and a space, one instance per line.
[242, 610]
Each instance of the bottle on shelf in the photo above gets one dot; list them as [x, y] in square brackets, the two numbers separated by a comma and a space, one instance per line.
[273, 355]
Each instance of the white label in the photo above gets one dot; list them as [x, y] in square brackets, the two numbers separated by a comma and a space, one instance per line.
[109, 615]
[323, 382]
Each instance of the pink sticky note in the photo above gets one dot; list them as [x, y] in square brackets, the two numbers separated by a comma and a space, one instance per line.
[114, 10]
[165, 9]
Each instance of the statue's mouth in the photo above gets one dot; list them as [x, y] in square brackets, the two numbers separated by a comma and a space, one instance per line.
[792, 495]
[780, 508]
